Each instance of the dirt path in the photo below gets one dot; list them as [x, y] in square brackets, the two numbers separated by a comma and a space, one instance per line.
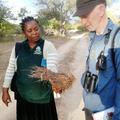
[6, 113]
[5, 50]
[71, 58]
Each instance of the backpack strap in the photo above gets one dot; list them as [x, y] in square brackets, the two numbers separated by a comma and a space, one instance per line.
[13, 88]
[113, 47]
[18, 46]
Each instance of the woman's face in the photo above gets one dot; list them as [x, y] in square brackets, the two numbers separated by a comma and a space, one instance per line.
[32, 31]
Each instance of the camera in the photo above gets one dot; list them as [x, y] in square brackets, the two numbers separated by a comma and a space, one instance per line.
[101, 62]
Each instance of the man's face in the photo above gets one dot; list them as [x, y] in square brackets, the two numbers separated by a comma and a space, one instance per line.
[91, 21]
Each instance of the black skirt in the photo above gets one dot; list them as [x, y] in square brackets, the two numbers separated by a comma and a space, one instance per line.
[35, 111]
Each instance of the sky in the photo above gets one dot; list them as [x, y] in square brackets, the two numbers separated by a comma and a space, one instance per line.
[31, 7]
[15, 6]
[115, 6]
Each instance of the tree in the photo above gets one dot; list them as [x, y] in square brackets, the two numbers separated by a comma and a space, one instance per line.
[55, 13]
[60, 10]
[109, 2]
[4, 12]
[22, 13]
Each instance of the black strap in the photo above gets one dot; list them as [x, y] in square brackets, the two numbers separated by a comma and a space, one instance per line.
[18, 46]
[113, 48]
[92, 41]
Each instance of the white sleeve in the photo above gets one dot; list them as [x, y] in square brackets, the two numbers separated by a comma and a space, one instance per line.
[50, 54]
[10, 70]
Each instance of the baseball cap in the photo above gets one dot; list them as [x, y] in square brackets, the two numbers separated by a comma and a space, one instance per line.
[84, 7]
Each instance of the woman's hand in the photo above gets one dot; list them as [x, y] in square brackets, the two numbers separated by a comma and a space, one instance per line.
[5, 96]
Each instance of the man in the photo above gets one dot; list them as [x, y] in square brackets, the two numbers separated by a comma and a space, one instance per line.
[101, 80]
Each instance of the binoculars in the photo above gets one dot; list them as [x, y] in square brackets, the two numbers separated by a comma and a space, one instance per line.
[90, 81]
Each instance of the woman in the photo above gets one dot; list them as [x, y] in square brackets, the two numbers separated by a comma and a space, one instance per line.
[35, 99]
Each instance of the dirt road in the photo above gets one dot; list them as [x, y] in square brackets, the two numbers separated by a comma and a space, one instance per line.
[71, 58]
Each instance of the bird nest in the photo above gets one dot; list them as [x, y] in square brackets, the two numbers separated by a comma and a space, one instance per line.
[59, 81]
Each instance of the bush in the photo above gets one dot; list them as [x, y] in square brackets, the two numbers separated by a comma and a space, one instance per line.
[81, 29]
[8, 29]
[67, 26]
[54, 24]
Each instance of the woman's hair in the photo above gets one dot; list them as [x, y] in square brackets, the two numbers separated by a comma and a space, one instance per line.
[25, 20]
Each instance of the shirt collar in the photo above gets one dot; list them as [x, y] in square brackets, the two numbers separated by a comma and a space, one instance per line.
[108, 28]
[26, 44]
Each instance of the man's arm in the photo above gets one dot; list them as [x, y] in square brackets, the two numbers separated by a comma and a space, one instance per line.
[116, 115]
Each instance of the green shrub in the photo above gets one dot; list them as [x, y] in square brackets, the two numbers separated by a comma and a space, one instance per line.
[81, 29]
[54, 24]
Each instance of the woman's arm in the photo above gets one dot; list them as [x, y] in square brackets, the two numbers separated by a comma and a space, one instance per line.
[8, 77]
[10, 70]
[51, 56]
